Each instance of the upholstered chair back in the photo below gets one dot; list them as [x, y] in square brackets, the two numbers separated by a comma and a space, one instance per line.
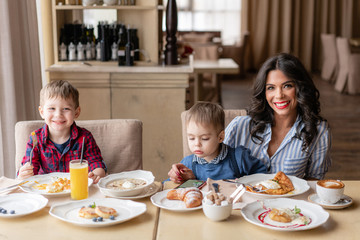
[119, 140]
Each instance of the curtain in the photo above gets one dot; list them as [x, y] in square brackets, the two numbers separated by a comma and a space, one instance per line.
[294, 26]
[20, 74]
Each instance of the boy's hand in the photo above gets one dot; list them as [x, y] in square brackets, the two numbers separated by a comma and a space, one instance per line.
[96, 174]
[26, 171]
[179, 173]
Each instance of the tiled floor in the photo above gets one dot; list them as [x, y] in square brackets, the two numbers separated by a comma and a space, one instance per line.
[341, 111]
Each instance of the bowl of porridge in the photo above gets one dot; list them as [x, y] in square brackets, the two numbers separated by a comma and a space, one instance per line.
[126, 184]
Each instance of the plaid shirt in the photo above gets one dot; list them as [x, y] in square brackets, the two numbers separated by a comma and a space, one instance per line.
[47, 159]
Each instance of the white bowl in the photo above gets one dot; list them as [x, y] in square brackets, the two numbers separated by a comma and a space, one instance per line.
[88, 2]
[147, 176]
[110, 2]
[215, 212]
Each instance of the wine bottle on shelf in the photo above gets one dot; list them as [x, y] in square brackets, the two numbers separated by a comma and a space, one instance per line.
[62, 46]
[113, 39]
[72, 52]
[121, 46]
[88, 55]
[98, 51]
[91, 40]
[103, 44]
[80, 51]
[129, 50]
[135, 41]
[81, 44]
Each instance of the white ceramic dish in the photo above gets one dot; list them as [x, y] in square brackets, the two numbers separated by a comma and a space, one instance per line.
[69, 212]
[346, 202]
[22, 204]
[256, 214]
[47, 179]
[147, 176]
[217, 213]
[300, 185]
[159, 199]
[151, 190]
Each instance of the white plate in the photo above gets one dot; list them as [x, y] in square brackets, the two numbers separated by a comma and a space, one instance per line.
[22, 204]
[159, 199]
[300, 185]
[347, 201]
[69, 212]
[152, 189]
[146, 176]
[256, 214]
[46, 179]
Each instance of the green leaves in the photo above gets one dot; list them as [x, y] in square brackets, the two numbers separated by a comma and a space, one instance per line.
[297, 210]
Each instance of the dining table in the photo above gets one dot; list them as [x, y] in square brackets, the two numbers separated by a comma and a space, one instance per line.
[159, 223]
[41, 225]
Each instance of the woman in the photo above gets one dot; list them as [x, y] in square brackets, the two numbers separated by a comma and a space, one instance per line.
[284, 128]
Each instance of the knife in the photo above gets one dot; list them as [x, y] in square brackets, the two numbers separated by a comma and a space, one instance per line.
[12, 186]
[216, 187]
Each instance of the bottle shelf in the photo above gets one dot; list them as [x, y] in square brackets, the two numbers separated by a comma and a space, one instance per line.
[116, 7]
[144, 16]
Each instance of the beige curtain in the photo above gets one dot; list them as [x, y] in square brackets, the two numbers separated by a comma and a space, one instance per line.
[20, 74]
[295, 26]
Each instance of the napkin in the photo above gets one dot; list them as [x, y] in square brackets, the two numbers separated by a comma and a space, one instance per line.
[6, 182]
[226, 188]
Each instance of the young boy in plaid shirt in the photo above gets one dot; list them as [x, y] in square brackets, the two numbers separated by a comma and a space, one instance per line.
[60, 140]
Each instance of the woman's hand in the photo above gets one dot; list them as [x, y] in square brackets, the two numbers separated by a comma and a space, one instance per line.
[26, 171]
[179, 173]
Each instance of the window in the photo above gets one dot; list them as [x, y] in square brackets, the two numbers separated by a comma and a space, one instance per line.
[209, 15]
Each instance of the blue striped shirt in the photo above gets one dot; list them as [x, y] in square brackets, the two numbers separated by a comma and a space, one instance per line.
[289, 157]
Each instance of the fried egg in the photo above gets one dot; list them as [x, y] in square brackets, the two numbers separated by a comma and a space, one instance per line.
[269, 184]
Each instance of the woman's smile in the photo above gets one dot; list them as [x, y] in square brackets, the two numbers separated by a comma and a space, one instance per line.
[282, 105]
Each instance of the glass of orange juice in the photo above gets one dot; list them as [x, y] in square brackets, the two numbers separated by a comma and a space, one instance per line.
[79, 179]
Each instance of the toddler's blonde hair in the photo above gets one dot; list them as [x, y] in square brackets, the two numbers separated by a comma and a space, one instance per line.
[207, 113]
[59, 88]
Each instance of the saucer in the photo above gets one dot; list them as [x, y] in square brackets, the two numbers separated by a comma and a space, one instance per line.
[314, 198]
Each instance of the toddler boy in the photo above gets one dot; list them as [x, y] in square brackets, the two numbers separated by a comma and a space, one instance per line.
[211, 158]
[60, 140]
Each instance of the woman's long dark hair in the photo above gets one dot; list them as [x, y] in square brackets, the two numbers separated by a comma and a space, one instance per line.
[307, 95]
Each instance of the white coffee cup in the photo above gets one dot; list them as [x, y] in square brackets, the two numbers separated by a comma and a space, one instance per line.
[330, 191]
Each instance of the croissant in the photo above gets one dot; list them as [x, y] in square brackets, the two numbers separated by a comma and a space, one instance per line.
[192, 197]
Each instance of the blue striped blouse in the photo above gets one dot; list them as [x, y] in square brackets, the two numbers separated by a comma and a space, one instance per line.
[289, 157]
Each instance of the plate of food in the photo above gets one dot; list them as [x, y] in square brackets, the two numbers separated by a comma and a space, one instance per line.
[20, 204]
[126, 184]
[97, 212]
[54, 184]
[274, 185]
[151, 190]
[284, 214]
[179, 200]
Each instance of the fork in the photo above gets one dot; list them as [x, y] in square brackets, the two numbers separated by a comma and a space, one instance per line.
[35, 142]
[245, 184]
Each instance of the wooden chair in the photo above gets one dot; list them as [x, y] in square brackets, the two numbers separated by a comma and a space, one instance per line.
[330, 63]
[230, 114]
[348, 79]
[119, 140]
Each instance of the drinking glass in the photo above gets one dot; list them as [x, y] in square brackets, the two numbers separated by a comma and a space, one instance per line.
[79, 179]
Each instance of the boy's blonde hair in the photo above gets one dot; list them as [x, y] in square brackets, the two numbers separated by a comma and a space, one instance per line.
[59, 88]
[207, 113]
